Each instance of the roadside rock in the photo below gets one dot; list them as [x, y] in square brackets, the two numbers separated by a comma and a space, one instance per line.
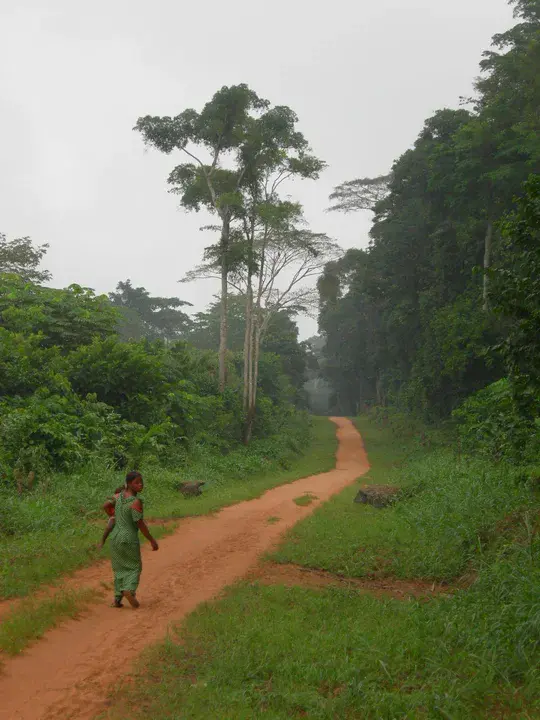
[191, 489]
[377, 495]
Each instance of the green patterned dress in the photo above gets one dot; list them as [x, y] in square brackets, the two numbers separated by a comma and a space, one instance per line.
[125, 546]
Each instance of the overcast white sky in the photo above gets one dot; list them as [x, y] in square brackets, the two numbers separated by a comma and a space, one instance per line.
[75, 76]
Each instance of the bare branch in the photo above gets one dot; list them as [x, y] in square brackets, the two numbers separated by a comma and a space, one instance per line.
[194, 157]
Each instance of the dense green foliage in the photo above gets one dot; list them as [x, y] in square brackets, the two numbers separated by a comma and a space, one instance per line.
[489, 423]
[73, 390]
[410, 320]
[517, 297]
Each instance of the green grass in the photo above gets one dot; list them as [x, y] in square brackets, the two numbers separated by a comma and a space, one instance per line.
[32, 618]
[277, 652]
[66, 513]
[443, 523]
[304, 500]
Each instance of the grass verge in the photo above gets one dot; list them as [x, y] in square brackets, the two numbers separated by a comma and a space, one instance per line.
[444, 522]
[277, 652]
[32, 618]
[335, 653]
[67, 513]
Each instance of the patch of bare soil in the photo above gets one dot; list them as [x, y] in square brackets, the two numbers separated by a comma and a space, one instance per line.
[295, 575]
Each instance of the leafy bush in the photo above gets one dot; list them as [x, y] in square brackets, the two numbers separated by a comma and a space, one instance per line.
[131, 377]
[26, 366]
[71, 389]
[516, 296]
[63, 318]
[489, 423]
[48, 432]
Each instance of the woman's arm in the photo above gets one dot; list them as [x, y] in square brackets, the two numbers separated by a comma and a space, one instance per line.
[138, 508]
[107, 532]
[146, 532]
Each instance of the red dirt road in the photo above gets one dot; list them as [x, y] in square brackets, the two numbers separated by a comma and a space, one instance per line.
[67, 674]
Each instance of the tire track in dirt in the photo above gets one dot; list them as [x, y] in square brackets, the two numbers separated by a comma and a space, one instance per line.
[66, 675]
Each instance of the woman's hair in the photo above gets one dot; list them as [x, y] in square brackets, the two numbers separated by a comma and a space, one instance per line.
[131, 476]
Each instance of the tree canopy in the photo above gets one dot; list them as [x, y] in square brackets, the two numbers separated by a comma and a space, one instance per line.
[411, 319]
[151, 317]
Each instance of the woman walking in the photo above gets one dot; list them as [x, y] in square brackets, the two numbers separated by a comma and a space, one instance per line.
[125, 546]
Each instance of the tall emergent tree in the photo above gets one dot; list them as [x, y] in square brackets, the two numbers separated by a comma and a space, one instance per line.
[236, 144]
[211, 139]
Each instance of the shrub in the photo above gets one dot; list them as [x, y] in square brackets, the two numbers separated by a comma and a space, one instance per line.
[59, 432]
[131, 377]
[488, 422]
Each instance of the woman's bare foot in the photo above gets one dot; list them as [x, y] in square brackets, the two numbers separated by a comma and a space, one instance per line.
[132, 600]
[117, 603]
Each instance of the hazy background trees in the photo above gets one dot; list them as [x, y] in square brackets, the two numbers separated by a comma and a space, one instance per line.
[411, 319]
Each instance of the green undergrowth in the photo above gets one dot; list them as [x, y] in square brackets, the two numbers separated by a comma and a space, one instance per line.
[66, 513]
[334, 653]
[31, 619]
[445, 521]
[277, 652]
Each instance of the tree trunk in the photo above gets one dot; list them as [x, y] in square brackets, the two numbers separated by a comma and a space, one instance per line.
[378, 390]
[248, 426]
[248, 335]
[488, 246]
[256, 354]
[224, 298]
[248, 345]
[254, 374]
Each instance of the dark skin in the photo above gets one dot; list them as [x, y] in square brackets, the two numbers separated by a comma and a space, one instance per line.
[133, 488]
[111, 522]
[106, 533]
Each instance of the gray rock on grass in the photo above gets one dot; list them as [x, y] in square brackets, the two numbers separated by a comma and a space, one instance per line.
[191, 489]
[377, 495]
